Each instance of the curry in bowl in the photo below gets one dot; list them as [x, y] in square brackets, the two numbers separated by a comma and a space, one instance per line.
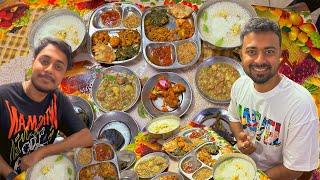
[215, 81]
[164, 125]
[116, 91]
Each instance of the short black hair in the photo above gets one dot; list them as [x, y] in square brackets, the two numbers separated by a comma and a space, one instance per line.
[258, 24]
[63, 46]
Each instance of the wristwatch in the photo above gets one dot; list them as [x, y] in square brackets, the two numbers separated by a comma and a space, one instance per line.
[11, 175]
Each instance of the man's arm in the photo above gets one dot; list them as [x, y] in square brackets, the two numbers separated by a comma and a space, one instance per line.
[243, 141]
[236, 128]
[5, 169]
[281, 172]
[82, 138]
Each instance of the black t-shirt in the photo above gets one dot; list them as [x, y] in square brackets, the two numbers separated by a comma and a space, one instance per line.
[27, 125]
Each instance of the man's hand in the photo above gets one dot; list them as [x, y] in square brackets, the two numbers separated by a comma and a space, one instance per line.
[244, 144]
[30, 159]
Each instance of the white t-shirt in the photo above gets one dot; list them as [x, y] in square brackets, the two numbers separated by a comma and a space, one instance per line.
[285, 122]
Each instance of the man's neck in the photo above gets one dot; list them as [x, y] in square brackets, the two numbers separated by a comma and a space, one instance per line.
[269, 85]
[32, 92]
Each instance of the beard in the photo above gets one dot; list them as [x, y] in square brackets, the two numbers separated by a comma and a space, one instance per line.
[257, 77]
[38, 87]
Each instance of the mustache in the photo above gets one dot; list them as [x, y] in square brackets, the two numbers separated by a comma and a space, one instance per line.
[47, 76]
[264, 65]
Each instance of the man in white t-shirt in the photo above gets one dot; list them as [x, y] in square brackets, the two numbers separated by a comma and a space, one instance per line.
[274, 119]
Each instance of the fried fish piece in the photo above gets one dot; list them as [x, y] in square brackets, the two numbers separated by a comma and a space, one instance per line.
[103, 53]
[180, 11]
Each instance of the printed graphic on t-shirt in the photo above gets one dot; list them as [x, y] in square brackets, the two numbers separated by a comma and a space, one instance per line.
[267, 130]
[27, 133]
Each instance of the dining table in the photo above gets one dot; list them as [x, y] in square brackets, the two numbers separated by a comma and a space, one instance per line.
[16, 59]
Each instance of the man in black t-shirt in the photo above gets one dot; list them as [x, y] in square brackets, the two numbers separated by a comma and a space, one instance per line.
[32, 112]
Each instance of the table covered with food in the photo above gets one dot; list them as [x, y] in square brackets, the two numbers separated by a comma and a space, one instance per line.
[152, 80]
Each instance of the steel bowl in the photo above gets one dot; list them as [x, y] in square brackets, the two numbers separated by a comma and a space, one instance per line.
[229, 156]
[111, 70]
[210, 116]
[165, 135]
[59, 13]
[211, 61]
[80, 104]
[208, 3]
[106, 120]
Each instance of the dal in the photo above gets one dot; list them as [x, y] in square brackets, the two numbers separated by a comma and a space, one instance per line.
[163, 126]
[235, 168]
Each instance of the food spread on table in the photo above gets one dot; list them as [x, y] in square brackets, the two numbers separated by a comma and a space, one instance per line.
[121, 41]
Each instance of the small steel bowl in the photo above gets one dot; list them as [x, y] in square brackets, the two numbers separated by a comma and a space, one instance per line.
[58, 13]
[177, 175]
[165, 135]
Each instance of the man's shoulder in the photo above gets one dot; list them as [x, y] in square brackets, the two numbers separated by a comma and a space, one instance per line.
[297, 91]
[7, 88]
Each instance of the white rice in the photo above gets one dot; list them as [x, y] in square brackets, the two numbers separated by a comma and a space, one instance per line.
[221, 18]
[72, 26]
[51, 169]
